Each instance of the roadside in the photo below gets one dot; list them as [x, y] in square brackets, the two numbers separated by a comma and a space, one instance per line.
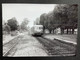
[8, 37]
[65, 38]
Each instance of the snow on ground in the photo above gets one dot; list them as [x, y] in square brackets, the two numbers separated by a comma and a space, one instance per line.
[66, 38]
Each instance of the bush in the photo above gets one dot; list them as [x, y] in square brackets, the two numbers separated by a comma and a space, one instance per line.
[6, 29]
[14, 33]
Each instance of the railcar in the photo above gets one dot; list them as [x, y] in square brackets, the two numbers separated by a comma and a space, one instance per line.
[37, 30]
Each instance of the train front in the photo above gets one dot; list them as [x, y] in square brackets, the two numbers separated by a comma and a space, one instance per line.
[37, 30]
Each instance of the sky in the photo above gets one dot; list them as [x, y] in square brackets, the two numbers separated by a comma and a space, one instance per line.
[21, 11]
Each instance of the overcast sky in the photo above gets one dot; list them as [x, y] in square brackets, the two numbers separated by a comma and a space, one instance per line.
[21, 11]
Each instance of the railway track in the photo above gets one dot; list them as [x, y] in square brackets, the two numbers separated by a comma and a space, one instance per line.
[57, 48]
[10, 45]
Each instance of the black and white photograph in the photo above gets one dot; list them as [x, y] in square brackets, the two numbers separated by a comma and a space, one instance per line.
[39, 29]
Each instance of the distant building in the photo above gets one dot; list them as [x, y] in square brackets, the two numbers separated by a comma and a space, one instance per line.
[75, 31]
[46, 31]
[57, 31]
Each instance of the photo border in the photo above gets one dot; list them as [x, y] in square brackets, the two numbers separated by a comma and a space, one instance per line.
[77, 57]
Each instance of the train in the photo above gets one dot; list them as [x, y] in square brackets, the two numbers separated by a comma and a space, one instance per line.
[36, 30]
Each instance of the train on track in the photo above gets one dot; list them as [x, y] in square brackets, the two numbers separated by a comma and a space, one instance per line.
[36, 30]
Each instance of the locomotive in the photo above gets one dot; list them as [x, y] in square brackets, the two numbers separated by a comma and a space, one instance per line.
[36, 30]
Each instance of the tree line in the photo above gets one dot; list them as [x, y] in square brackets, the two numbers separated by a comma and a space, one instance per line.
[13, 25]
[64, 16]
